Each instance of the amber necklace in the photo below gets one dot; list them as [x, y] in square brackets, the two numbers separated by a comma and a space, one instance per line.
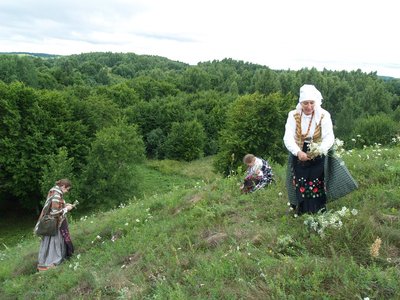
[304, 136]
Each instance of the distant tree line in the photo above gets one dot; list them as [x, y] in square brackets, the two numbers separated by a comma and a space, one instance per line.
[94, 117]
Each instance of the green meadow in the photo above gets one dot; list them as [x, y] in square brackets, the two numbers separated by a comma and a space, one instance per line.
[192, 235]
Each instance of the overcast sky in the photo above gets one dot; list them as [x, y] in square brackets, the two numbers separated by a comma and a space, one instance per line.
[281, 34]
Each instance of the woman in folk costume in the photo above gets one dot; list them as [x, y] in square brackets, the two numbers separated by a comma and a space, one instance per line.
[54, 249]
[306, 124]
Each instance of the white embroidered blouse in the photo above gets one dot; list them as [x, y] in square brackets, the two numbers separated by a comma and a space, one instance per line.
[328, 137]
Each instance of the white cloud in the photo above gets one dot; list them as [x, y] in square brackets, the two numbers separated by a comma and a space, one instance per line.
[285, 34]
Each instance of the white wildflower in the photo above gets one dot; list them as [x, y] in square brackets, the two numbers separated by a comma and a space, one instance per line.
[76, 266]
[339, 142]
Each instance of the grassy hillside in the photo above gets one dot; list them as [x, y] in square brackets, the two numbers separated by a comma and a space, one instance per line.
[199, 238]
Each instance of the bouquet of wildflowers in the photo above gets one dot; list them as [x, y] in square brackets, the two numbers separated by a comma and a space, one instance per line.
[314, 150]
[338, 147]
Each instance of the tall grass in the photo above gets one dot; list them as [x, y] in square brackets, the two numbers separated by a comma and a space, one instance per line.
[199, 238]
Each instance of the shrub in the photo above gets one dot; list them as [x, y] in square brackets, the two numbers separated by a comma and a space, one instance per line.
[186, 141]
[254, 125]
[154, 143]
[110, 177]
[376, 129]
[59, 166]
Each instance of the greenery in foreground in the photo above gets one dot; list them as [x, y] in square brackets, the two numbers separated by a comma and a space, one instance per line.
[199, 238]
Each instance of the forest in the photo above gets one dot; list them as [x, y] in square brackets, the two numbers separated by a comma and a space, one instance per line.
[95, 117]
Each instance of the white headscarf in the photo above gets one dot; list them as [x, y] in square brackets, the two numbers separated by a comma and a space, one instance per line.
[309, 92]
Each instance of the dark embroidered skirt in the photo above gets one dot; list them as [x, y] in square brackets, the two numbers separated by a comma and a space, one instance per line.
[67, 239]
[308, 180]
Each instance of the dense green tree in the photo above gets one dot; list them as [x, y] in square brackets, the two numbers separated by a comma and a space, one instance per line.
[18, 68]
[98, 111]
[124, 70]
[62, 123]
[59, 165]
[375, 129]
[396, 114]
[335, 97]
[393, 85]
[158, 113]
[22, 143]
[121, 94]
[288, 82]
[185, 141]
[209, 108]
[35, 124]
[155, 140]
[148, 88]
[374, 98]
[90, 68]
[255, 124]
[311, 76]
[46, 80]
[102, 77]
[195, 79]
[222, 74]
[111, 176]
[265, 81]
[171, 110]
